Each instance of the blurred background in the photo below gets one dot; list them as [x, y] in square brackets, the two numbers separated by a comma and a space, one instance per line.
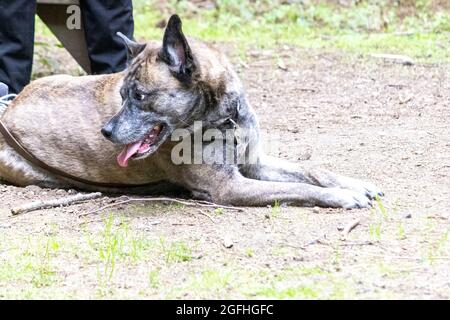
[419, 29]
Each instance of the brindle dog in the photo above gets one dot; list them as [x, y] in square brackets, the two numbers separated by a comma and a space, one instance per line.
[58, 119]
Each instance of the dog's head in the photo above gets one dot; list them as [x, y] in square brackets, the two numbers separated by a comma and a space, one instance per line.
[168, 87]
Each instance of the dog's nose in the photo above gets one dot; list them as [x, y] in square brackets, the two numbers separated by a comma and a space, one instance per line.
[106, 132]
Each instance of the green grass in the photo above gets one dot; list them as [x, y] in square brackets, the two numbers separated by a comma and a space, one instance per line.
[275, 210]
[35, 267]
[380, 217]
[30, 264]
[153, 278]
[289, 283]
[370, 27]
[420, 31]
[174, 252]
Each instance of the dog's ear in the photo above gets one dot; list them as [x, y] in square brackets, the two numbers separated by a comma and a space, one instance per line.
[133, 48]
[176, 51]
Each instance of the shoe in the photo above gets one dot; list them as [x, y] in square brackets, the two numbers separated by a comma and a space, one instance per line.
[5, 98]
[3, 89]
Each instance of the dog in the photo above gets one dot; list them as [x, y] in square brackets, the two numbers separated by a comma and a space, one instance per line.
[115, 133]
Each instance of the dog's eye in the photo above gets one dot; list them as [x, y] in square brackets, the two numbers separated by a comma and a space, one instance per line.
[139, 96]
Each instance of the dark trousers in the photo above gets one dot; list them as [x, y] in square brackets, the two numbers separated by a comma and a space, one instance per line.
[101, 18]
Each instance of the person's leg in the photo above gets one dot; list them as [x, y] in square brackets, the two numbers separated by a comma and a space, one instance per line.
[16, 42]
[102, 20]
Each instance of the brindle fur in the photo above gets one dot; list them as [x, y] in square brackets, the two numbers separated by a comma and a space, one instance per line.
[59, 118]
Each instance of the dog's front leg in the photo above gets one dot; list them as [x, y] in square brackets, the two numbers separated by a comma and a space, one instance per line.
[225, 185]
[273, 169]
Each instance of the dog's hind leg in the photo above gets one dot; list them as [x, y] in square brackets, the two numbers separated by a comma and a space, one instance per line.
[273, 169]
[16, 170]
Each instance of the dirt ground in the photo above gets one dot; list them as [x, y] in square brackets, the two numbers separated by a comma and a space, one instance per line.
[362, 117]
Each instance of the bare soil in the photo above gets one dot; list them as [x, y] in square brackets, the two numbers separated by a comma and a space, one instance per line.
[362, 117]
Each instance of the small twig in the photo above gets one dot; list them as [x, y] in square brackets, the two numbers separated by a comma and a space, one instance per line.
[186, 203]
[404, 33]
[90, 221]
[307, 89]
[215, 206]
[394, 257]
[206, 215]
[44, 204]
[349, 227]
[244, 64]
[319, 240]
[350, 244]
[314, 241]
[397, 86]
[405, 60]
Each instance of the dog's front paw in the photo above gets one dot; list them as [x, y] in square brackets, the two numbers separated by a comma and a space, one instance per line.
[344, 198]
[369, 189]
[372, 191]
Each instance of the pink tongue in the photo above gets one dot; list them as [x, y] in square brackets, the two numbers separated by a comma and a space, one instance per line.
[127, 153]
